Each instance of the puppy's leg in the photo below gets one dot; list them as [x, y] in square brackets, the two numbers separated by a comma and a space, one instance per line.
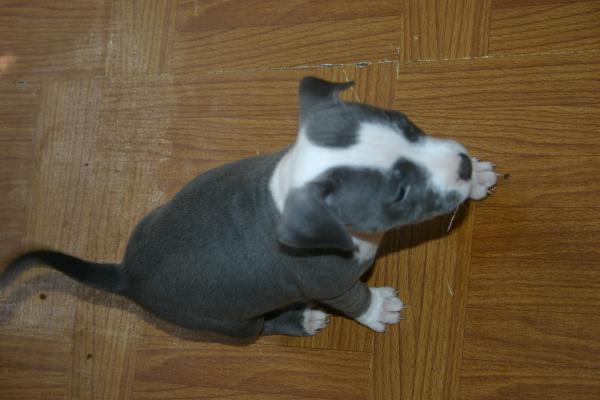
[298, 320]
[373, 307]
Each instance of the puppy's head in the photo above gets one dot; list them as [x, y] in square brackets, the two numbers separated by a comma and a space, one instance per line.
[361, 168]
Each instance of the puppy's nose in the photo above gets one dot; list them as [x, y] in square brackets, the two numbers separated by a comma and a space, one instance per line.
[464, 168]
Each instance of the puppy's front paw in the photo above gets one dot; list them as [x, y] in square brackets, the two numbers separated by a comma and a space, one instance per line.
[484, 178]
[313, 321]
[384, 309]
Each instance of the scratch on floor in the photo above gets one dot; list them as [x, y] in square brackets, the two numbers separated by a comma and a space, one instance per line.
[352, 87]
[450, 289]
[359, 64]
[452, 219]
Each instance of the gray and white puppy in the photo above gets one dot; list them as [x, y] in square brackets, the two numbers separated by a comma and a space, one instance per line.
[248, 248]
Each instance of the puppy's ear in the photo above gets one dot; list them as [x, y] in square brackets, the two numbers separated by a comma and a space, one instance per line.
[308, 222]
[317, 93]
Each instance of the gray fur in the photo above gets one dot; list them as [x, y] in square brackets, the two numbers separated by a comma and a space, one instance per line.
[210, 258]
[337, 125]
[368, 200]
[308, 222]
[331, 122]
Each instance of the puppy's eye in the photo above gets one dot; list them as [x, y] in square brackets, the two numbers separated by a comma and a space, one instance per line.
[401, 194]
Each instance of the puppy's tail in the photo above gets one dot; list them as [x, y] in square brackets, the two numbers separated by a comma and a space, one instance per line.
[107, 277]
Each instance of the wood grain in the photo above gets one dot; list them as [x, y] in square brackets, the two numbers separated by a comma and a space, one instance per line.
[162, 391]
[258, 368]
[555, 272]
[442, 30]
[528, 27]
[103, 355]
[546, 181]
[34, 363]
[420, 358]
[227, 14]
[57, 213]
[553, 80]
[54, 36]
[356, 35]
[546, 105]
[127, 187]
[142, 34]
[491, 380]
[570, 234]
[545, 349]
[19, 107]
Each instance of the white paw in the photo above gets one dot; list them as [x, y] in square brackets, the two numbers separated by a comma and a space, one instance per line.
[484, 178]
[314, 320]
[384, 309]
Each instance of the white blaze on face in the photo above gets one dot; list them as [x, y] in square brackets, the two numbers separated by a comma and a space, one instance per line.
[378, 147]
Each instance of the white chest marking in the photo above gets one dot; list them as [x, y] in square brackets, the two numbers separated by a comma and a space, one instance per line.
[366, 245]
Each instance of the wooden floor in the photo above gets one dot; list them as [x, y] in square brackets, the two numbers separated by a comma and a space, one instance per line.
[107, 107]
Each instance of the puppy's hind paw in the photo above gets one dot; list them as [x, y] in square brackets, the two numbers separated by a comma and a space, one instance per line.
[484, 178]
[313, 321]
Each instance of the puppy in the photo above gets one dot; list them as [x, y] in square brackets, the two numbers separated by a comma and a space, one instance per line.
[246, 249]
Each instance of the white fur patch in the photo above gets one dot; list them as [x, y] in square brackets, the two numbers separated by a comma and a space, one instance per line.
[367, 245]
[314, 320]
[384, 309]
[379, 147]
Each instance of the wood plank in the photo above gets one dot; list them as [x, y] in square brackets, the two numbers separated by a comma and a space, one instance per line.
[446, 30]
[34, 363]
[569, 234]
[103, 354]
[125, 178]
[275, 370]
[543, 106]
[420, 357]
[523, 284]
[19, 109]
[54, 36]
[142, 36]
[541, 259]
[163, 391]
[86, 200]
[546, 181]
[217, 118]
[557, 80]
[226, 15]
[563, 131]
[491, 380]
[57, 214]
[532, 27]
[542, 347]
[136, 115]
[302, 41]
